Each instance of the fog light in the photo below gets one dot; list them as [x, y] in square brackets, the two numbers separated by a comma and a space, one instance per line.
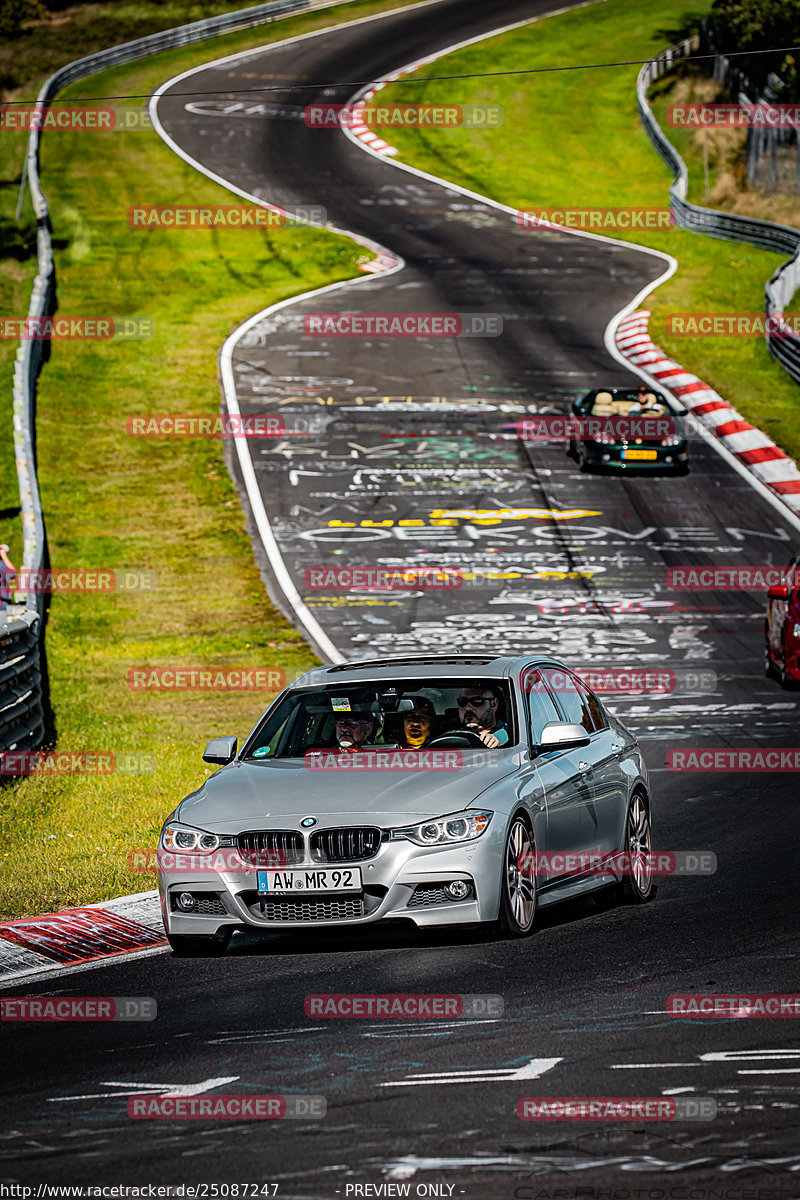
[457, 890]
[186, 901]
[606, 458]
[667, 458]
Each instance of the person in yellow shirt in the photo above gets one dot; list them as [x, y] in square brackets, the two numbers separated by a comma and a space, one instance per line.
[418, 722]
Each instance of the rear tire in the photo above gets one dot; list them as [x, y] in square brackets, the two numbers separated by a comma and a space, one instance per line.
[518, 883]
[184, 946]
[769, 661]
[783, 677]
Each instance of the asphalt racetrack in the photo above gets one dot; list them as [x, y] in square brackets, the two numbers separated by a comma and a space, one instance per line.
[416, 459]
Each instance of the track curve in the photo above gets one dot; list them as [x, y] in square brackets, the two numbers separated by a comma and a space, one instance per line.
[422, 1103]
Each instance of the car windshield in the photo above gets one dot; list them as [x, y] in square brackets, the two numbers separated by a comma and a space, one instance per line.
[623, 399]
[407, 713]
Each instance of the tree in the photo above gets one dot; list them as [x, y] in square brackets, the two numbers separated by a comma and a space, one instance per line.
[748, 26]
[757, 24]
[14, 14]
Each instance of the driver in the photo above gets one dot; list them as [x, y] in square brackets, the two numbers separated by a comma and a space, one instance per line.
[477, 711]
[645, 403]
[418, 723]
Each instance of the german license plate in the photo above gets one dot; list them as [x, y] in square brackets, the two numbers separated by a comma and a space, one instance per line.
[640, 454]
[328, 879]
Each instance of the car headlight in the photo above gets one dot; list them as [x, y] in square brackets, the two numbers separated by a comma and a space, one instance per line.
[181, 839]
[446, 831]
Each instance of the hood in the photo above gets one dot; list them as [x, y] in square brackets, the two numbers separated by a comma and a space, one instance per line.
[272, 795]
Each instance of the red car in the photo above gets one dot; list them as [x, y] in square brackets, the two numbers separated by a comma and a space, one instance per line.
[782, 626]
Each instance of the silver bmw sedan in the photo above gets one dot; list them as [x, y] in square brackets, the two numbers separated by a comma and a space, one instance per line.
[440, 789]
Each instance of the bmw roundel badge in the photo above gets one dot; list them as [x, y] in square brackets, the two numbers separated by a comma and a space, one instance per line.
[307, 822]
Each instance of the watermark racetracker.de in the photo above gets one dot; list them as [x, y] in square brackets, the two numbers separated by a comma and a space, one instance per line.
[80, 580]
[616, 1108]
[403, 116]
[79, 1008]
[206, 679]
[734, 759]
[402, 1005]
[402, 324]
[102, 328]
[752, 1004]
[629, 219]
[227, 425]
[719, 578]
[227, 1107]
[45, 763]
[59, 117]
[733, 324]
[556, 863]
[758, 115]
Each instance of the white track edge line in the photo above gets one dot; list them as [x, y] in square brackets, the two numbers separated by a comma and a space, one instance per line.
[55, 971]
[763, 490]
[771, 497]
[230, 341]
[312, 627]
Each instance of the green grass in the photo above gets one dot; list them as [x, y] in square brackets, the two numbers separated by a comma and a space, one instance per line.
[24, 65]
[165, 506]
[574, 139]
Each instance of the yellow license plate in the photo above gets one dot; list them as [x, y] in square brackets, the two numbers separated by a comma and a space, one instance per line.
[648, 454]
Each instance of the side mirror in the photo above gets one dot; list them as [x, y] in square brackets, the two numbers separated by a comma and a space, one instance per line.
[779, 592]
[562, 735]
[220, 751]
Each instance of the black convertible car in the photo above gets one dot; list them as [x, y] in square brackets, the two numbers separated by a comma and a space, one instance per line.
[628, 429]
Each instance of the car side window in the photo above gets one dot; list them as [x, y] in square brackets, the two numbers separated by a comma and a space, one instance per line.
[596, 709]
[541, 706]
[579, 705]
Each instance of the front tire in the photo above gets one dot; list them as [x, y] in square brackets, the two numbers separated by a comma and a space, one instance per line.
[769, 661]
[637, 882]
[784, 678]
[518, 883]
[184, 946]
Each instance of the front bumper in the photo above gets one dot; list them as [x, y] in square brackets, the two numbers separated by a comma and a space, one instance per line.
[669, 458]
[401, 881]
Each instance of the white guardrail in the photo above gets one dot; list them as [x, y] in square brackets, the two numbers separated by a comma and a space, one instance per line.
[21, 638]
[766, 234]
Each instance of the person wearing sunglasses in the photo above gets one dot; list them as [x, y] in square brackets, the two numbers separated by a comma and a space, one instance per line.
[477, 711]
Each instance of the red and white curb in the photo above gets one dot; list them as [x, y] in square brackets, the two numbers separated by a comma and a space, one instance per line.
[356, 126]
[361, 131]
[758, 453]
[80, 935]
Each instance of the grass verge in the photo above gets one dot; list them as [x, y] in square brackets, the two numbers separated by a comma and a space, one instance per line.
[573, 139]
[167, 507]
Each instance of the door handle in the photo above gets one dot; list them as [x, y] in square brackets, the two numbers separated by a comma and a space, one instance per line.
[583, 766]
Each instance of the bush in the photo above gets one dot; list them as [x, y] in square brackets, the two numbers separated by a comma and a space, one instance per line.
[756, 25]
[14, 14]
